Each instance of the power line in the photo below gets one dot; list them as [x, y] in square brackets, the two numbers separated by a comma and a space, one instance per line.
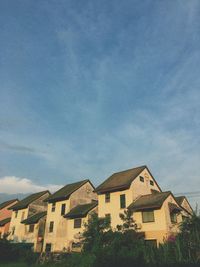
[189, 193]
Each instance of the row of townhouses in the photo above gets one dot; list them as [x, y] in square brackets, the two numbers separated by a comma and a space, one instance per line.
[54, 222]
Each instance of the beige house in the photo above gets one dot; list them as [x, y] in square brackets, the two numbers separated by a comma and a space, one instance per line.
[187, 210]
[55, 223]
[117, 192]
[59, 231]
[34, 230]
[24, 209]
[76, 220]
[157, 214]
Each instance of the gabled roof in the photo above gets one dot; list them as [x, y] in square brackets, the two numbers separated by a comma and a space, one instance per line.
[180, 199]
[81, 211]
[28, 200]
[5, 221]
[173, 208]
[7, 203]
[34, 218]
[66, 191]
[151, 201]
[121, 180]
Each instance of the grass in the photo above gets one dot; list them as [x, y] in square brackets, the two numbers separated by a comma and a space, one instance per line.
[19, 264]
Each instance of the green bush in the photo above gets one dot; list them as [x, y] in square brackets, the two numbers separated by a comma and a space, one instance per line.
[17, 252]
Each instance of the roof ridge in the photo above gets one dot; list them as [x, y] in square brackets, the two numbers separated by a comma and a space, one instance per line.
[169, 192]
[66, 191]
[142, 166]
[7, 203]
[130, 174]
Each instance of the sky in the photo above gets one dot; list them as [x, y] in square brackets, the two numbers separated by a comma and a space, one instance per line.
[89, 88]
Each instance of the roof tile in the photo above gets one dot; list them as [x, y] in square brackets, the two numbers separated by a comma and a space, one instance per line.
[120, 180]
[34, 218]
[151, 201]
[28, 200]
[81, 211]
[66, 191]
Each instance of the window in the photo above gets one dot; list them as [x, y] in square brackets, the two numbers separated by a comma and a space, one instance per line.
[151, 182]
[173, 217]
[16, 212]
[123, 201]
[76, 245]
[63, 209]
[107, 197]
[148, 216]
[51, 227]
[77, 223]
[31, 228]
[48, 247]
[13, 230]
[141, 179]
[53, 207]
[23, 214]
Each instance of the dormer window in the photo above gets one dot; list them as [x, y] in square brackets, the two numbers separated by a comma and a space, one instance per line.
[107, 197]
[151, 182]
[141, 179]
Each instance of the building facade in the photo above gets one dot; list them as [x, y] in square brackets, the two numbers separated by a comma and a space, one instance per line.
[55, 223]
[157, 214]
[24, 209]
[58, 235]
[5, 216]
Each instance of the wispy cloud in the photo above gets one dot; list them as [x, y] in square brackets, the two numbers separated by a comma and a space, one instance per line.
[13, 185]
[17, 148]
[101, 88]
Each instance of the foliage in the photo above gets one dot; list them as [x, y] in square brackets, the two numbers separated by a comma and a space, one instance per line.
[103, 247]
[11, 252]
[190, 237]
[126, 247]
[127, 219]
[96, 233]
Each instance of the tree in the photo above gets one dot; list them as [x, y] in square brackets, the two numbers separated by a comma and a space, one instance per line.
[190, 237]
[96, 233]
[128, 221]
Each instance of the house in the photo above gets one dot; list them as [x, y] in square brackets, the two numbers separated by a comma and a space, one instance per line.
[5, 216]
[157, 215]
[187, 210]
[57, 232]
[24, 209]
[34, 229]
[117, 192]
[77, 218]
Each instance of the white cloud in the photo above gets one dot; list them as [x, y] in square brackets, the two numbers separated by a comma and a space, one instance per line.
[13, 185]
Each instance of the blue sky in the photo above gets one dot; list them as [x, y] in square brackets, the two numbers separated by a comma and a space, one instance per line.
[88, 88]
